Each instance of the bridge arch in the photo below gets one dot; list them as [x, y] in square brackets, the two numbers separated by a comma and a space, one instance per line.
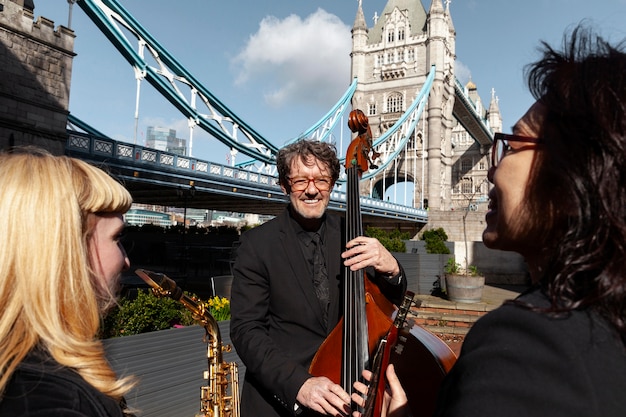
[402, 188]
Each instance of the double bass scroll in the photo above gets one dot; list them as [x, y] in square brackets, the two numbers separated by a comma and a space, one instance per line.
[361, 152]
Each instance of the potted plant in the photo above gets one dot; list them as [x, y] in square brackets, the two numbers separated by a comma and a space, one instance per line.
[463, 285]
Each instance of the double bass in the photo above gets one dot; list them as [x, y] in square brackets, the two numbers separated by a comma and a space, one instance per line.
[368, 336]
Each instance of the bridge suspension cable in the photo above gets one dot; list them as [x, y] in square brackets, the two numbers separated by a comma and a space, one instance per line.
[169, 77]
[321, 130]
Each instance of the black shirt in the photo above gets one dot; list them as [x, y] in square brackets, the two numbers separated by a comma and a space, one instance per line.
[42, 387]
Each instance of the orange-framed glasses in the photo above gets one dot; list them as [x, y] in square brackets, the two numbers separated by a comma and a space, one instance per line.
[301, 183]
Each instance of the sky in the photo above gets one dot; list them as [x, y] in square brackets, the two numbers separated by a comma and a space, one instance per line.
[280, 65]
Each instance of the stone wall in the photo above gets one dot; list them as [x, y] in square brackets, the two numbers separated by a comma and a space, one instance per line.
[452, 223]
[36, 69]
[499, 267]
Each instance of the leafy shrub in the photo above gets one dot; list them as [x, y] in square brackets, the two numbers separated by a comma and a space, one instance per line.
[145, 313]
[435, 241]
[392, 240]
[149, 313]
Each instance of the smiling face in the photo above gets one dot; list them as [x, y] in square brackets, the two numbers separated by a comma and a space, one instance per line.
[508, 214]
[310, 204]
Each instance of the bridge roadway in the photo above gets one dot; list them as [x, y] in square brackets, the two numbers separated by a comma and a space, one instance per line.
[161, 178]
[465, 112]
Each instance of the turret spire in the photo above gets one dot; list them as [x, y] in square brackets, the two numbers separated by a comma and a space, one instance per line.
[359, 21]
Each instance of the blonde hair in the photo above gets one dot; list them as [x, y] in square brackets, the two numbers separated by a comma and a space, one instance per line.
[48, 292]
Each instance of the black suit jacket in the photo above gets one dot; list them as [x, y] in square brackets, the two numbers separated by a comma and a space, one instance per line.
[516, 362]
[276, 324]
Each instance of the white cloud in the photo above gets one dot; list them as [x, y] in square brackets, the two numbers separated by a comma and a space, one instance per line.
[297, 60]
[462, 72]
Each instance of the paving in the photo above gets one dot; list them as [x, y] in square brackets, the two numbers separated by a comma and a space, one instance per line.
[493, 297]
[450, 320]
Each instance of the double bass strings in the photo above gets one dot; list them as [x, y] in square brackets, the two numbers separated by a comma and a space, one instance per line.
[356, 350]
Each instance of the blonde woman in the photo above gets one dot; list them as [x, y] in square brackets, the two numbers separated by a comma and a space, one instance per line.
[60, 263]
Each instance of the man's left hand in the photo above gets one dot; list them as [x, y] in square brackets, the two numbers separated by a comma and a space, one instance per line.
[367, 251]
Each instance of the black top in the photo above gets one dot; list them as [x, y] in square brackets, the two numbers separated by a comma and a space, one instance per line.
[518, 362]
[42, 387]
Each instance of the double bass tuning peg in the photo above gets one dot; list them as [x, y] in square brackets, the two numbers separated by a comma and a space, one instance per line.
[375, 156]
[362, 145]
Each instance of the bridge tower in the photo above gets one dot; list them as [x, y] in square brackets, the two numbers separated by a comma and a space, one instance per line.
[391, 61]
[36, 63]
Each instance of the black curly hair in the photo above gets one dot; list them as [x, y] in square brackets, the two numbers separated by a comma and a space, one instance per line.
[304, 149]
[577, 196]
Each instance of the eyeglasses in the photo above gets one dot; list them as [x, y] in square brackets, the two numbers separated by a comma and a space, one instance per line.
[301, 184]
[501, 145]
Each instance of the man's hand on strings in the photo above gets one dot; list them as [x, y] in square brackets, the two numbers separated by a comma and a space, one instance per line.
[322, 395]
[362, 252]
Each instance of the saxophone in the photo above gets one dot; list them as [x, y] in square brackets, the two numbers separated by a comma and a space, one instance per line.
[215, 400]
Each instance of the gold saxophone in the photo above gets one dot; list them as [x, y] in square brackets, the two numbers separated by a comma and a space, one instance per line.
[215, 400]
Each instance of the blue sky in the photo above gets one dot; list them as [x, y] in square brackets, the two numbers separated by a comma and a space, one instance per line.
[281, 64]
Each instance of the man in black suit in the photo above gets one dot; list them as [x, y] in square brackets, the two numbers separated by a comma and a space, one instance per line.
[282, 306]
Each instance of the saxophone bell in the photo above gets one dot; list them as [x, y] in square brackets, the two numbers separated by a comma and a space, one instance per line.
[215, 400]
[162, 285]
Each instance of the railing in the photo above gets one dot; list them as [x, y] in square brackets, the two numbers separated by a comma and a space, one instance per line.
[125, 153]
[121, 151]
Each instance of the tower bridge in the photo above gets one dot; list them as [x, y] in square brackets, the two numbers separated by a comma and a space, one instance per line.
[404, 81]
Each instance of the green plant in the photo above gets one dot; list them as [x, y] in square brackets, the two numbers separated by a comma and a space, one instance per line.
[149, 313]
[473, 271]
[435, 241]
[392, 240]
[452, 267]
[145, 313]
[247, 227]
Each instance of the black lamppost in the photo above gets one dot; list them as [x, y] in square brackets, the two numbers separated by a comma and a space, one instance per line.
[185, 194]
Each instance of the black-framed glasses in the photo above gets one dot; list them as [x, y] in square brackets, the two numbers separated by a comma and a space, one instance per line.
[301, 183]
[501, 145]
